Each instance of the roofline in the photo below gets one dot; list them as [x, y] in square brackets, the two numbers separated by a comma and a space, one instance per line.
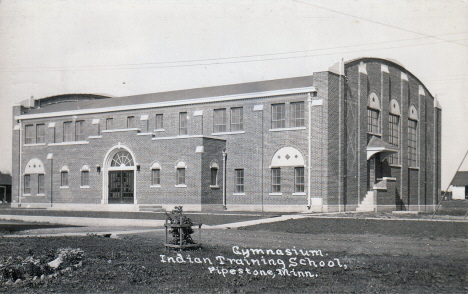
[169, 103]
[388, 61]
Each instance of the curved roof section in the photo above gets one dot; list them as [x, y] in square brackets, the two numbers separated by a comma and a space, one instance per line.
[393, 63]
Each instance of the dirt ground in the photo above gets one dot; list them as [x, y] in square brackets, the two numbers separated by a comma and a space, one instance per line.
[391, 257]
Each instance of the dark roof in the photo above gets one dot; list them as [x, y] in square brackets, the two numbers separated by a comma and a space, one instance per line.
[460, 179]
[5, 179]
[262, 86]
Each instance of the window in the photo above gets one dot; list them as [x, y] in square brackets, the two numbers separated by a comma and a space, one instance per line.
[40, 133]
[276, 180]
[239, 188]
[159, 122]
[180, 176]
[79, 130]
[28, 134]
[130, 122]
[67, 131]
[40, 184]
[297, 114]
[64, 176]
[109, 124]
[278, 116]
[373, 121]
[237, 119]
[394, 136]
[27, 184]
[214, 174]
[219, 121]
[412, 143]
[99, 129]
[156, 177]
[84, 177]
[299, 180]
[183, 123]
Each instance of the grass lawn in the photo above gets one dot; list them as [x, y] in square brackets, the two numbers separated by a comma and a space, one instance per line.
[414, 257]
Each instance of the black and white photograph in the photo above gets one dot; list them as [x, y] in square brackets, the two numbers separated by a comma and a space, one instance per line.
[221, 146]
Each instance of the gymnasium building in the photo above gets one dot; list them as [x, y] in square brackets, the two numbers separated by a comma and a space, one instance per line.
[362, 135]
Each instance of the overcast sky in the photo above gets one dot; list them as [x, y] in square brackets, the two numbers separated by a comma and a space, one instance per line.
[122, 48]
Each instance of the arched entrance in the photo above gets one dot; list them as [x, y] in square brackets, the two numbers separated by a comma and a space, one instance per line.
[119, 176]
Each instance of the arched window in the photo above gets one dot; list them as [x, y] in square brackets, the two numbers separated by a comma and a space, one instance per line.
[412, 136]
[84, 176]
[156, 174]
[214, 175]
[180, 174]
[394, 130]
[64, 176]
[122, 158]
[287, 157]
[373, 114]
[34, 166]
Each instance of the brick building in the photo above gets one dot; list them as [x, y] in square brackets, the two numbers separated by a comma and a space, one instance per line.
[363, 135]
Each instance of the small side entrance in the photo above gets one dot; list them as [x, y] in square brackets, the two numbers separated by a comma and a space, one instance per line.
[121, 187]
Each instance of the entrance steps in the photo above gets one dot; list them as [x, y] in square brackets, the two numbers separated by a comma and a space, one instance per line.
[367, 203]
[150, 208]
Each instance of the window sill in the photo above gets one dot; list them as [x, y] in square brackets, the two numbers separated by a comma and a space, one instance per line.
[395, 165]
[287, 129]
[238, 194]
[228, 133]
[159, 130]
[144, 134]
[374, 134]
[214, 186]
[27, 194]
[413, 167]
[155, 186]
[84, 187]
[181, 186]
[34, 144]
[276, 194]
[121, 130]
[63, 187]
[299, 194]
[41, 195]
[69, 143]
[95, 137]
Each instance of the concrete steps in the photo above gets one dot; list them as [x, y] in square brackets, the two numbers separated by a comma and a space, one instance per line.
[150, 208]
[367, 204]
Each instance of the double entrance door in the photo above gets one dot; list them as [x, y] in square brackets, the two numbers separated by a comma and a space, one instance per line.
[121, 187]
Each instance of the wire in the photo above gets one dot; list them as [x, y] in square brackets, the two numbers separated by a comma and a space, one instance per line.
[380, 23]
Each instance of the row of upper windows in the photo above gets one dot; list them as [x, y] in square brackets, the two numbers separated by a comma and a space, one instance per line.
[76, 131]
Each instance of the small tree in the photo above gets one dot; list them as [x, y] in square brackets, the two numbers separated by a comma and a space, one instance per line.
[176, 217]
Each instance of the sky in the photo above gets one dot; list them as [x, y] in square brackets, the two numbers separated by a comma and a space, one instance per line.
[121, 48]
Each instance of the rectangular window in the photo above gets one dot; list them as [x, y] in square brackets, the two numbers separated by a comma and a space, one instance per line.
[276, 180]
[219, 121]
[180, 176]
[27, 184]
[412, 143]
[40, 184]
[79, 130]
[159, 122]
[109, 124]
[297, 114]
[84, 178]
[28, 134]
[131, 122]
[183, 123]
[394, 136]
[155, 177]
[237, 119]
[67, 131]
[64, 179]
[299, 180]
[278, 116]
[214, 177]
[239, 188]
[373, 121]
[40, 133]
